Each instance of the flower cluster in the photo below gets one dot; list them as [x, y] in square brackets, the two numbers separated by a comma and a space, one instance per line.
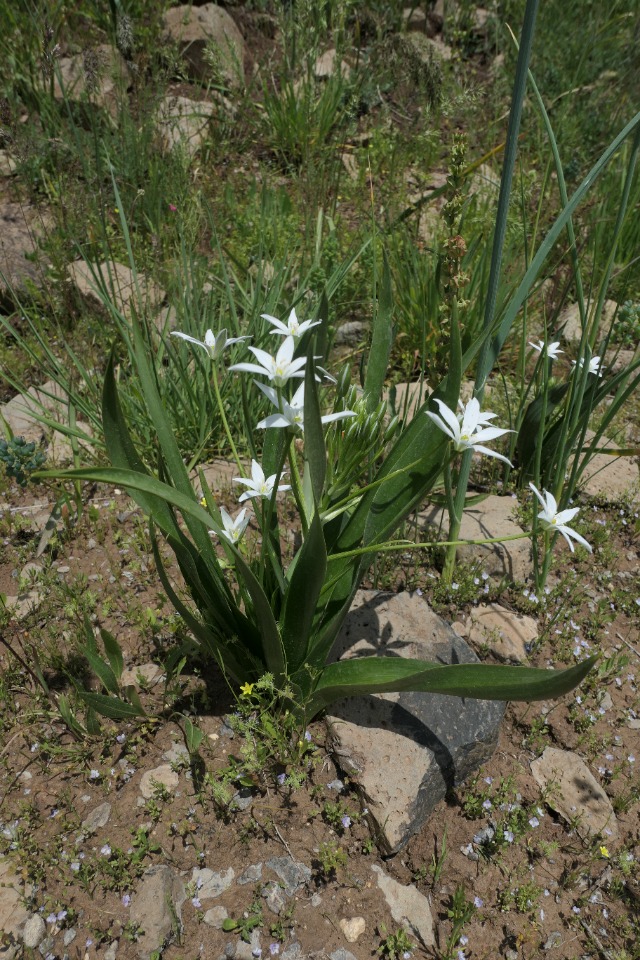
[468, 430]
[278, 369]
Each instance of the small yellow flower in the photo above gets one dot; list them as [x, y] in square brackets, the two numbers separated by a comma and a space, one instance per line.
[246, 689]
[604, 852]
[203, 502]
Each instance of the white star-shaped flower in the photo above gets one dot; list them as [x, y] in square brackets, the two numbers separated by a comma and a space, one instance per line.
[234, 529]
[550, 350]
[553, 519]
[292, 328]
[278, 369]
[214, 345]
[291, 412]
[259, 485]
[594, 365]
[469, 429]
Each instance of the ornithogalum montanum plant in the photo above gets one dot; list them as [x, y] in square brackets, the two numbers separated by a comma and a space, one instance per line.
[258, 610]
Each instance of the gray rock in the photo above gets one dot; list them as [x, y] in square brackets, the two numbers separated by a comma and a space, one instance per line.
[293, 873]
[554, 940]
[293, 951]
[210, 884]
[328, 63]
[336, 785]
[209, 27]
[341, 954]
[184, 122]
[34, 932]
[247, 951]
[20, 227]
[69, 936]
[508, 635]
[252, 874]
[215, 917]
[23, 410]
[8, 165]
[608, 476]
[351, 333]
[110, 952]
[407, 906]
[570, 324]
[243, 799]
[573, 792]
[97, 819]
[96, 76]
[353, 928]
[157, 908]
[178, 753]
[434, 742]
[163, 775]
[12, 891]
[275, 897]
[490, 518]
[46, 946]
[118, 283]
[145, 674]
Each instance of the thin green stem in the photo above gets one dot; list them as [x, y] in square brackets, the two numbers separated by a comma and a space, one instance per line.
[216, 388]
[296, 486]
[400, 545]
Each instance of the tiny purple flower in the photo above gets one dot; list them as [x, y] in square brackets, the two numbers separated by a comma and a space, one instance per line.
[307, 736]
[345, 821]
[105, 850]
[126, 900]
[196, 902]
[281, 779]
[274, 948]
[478, 903]
[534, 822]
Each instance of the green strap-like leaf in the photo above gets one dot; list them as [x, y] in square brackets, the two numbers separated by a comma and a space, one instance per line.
[263, 616]
[303, 590]
[314, 447]
[110, 707]
[381, 340]
[481, 681]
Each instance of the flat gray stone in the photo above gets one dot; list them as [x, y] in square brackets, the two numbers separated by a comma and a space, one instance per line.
[145, 674]
[119, 283]
[97, 819]
[184, 122]
[292, 952]
[252, 874]
[569, 319]
[353, 928]
[293, 873]
[21, 411]
[13, 915]
[274, 897]
[162, 775]
[490, 518]
[210, 884]
[20, 226]
[573, 792]
[157, 908]
[432, 742]
[96, 76]
[341, 954]
[215, 917]
[209, 27]
[408, 906]
[608, 476]
[508, 635]
[111, 951]
[34, 932]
